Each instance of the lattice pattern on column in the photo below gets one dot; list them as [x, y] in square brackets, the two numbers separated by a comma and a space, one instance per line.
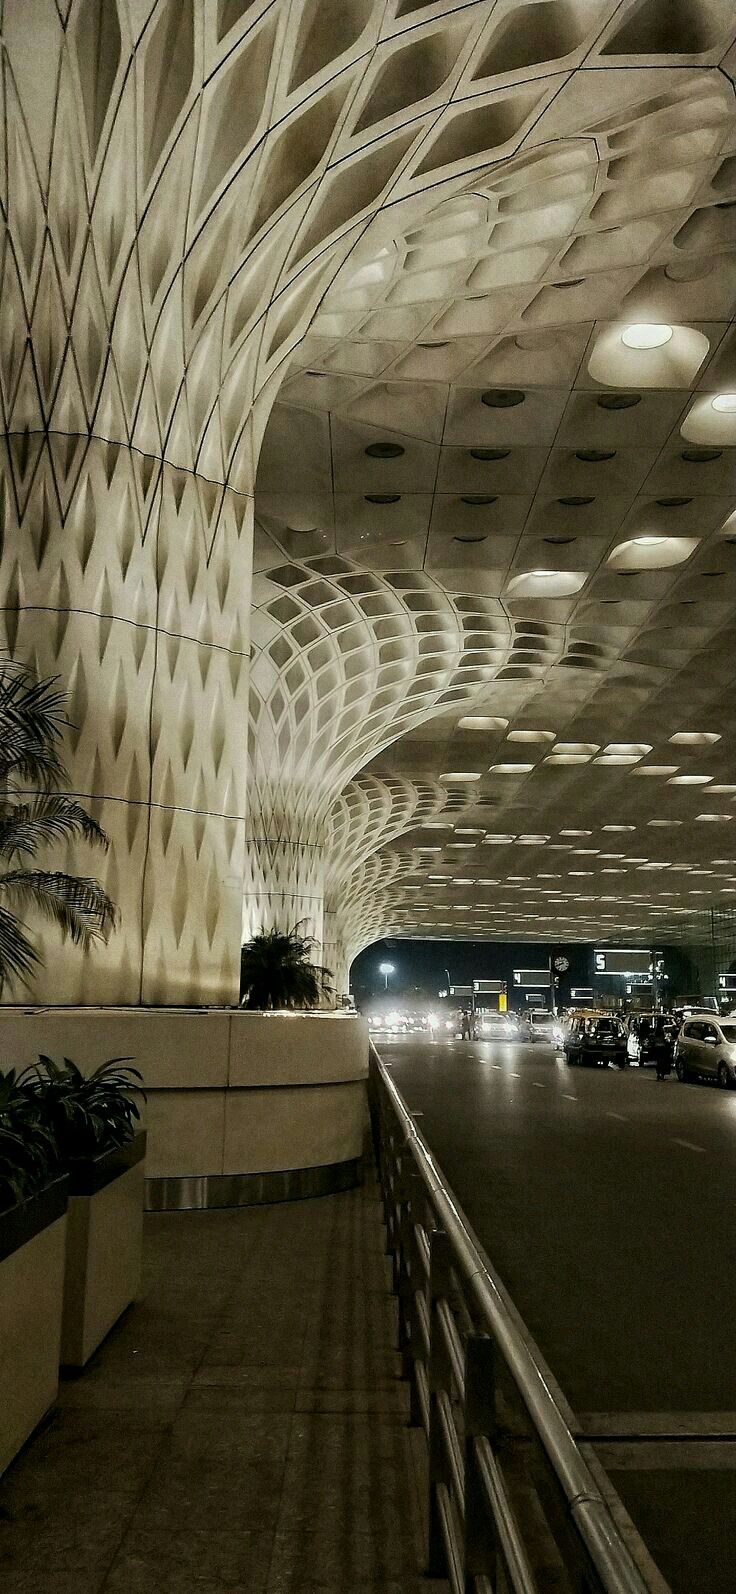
[181, 184]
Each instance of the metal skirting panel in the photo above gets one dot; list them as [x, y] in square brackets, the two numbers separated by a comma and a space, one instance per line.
[185, 1193]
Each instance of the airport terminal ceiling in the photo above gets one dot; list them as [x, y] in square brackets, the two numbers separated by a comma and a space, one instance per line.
[437, 302]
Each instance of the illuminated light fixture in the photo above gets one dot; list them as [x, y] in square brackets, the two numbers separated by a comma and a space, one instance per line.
[460, 775]
[656, 769]
[705, 818]
[689, 780]
[510, 769]
[576, 832]
[567, 758]
[547, 583]
[612, 759]
[724, 403]
[662, 822]
[531, 736]
[482, 722]
[695, 738]
[648, 541]
[646, 335]
[723, 791]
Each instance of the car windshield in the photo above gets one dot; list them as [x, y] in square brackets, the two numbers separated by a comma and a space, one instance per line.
[728, 1032]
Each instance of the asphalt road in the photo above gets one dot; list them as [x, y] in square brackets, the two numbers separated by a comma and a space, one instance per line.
[607, 1203]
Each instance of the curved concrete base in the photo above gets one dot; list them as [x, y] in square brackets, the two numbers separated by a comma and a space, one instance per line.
[242, 1108]
[182, 1194]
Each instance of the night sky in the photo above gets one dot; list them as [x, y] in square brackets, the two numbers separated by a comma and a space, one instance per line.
[420, 968]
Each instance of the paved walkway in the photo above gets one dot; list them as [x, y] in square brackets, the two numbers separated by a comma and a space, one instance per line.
[242, 1431]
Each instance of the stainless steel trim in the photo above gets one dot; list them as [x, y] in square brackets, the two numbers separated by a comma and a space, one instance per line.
[201, 1192]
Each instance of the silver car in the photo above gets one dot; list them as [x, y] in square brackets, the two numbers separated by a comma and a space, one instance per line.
[707, 1046]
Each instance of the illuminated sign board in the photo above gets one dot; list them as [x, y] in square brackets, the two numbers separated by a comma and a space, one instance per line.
[727, 982]
[582, 993]
[629, 960]
[489, 987]
[531, 976]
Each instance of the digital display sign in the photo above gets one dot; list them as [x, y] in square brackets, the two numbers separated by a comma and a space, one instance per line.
[626, 960]
[531, 976]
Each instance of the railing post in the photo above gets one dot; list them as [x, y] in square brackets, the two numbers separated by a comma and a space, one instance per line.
[440, 1286]
[479, 1419]
[410, 1271]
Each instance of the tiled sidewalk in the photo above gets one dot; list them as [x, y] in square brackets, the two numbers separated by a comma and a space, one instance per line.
[242, 1431]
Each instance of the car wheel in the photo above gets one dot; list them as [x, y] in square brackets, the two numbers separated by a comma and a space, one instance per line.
[681, 1071]
[725, 1078]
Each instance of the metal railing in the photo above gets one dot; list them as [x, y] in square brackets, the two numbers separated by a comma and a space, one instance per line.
[514, 1507]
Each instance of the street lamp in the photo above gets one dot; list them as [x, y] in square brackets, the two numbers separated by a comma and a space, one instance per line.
[385, 969]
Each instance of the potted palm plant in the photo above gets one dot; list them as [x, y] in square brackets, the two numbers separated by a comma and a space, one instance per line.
[35, 814]
[277, 972]
[33, 1204]
[93, 1120]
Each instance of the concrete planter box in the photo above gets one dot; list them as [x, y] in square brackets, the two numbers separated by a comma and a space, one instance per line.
[103, 1247]
[32, 1245]
[242, 1107]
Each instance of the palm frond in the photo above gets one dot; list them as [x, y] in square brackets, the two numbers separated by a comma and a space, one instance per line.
[32, 718]
[77, 905]
[18, 957]
[47, 817]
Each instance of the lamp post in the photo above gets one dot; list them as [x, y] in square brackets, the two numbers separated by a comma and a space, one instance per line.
[385, 969]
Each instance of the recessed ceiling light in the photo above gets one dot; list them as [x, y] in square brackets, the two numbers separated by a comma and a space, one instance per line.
[482, 722]
[647, 541]
[463, 775]
[701, 456]
[476, 499]
[382, 498]
[646, 335]
[725, 403]
[695, 738]
[594, 456]
[482, 538]
[619, 401]
[489, 453]
[384, 450]
[531, 736]
[498, 398]
[706, 817]
[510, 769]
[689, 780]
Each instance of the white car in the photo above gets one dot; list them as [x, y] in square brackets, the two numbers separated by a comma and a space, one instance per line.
[496, 1027]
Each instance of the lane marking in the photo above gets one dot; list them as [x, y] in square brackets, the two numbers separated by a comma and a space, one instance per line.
[688, 1144]
[621, 1117]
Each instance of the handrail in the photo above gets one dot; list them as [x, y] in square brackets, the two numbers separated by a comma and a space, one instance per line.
[604, 1547]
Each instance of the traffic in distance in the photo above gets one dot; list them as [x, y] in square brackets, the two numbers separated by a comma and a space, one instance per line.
[694, 1044]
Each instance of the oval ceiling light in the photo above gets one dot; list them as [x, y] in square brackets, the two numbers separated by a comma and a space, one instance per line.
[546, 583]
[498, 398]
[510, 769]
[724, 403]
[482, 722]
[384, 450]
[646, 335]
[462, 775]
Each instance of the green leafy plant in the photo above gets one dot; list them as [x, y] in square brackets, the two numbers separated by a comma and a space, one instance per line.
[35, 813]
[87, 1114]
[29, 1154]
[277, 971]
